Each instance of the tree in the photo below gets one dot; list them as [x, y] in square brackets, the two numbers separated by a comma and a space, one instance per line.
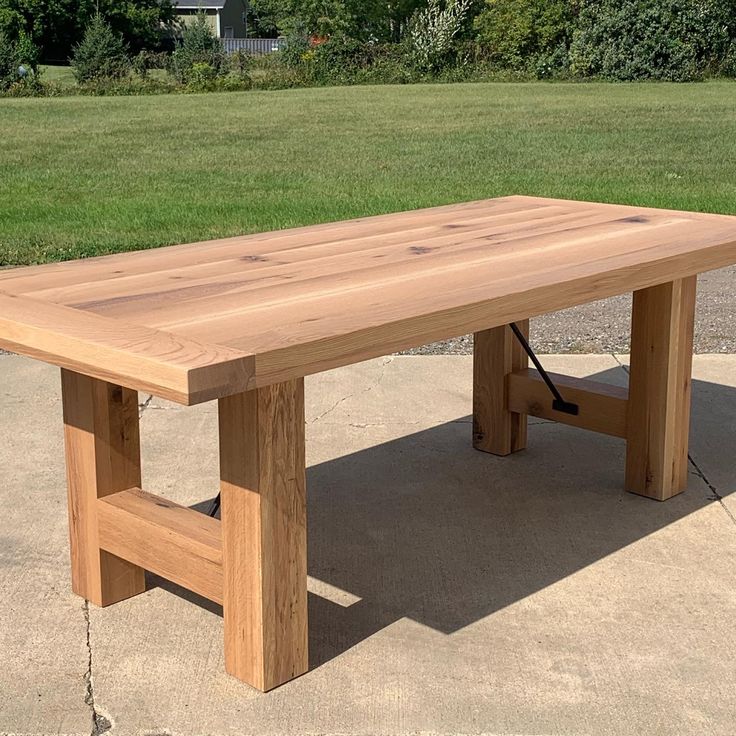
[398, 16]
[517, 32]
[434, 28]
[101, 54]
[18, 60]
[8, 62]
[674, 40]
[363, 20]
[140, 23]
[200, 47]
[57, 26]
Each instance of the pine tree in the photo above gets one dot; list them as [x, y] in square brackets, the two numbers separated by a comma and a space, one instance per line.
[7, 61]
[101, 53]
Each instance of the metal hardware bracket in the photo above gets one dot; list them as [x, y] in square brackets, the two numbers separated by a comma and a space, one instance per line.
[558, 403]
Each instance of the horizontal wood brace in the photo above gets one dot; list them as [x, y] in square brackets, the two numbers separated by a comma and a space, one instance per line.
[173, 541]
[602, 407]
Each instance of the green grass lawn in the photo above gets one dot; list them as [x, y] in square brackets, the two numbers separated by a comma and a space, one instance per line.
[62, 75]
[81, 176]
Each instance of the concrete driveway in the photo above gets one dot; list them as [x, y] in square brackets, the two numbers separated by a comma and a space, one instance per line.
[452, 592]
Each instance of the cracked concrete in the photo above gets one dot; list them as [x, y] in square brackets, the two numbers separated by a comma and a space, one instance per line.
[383, 362]
[100, 724]
[716, 495]
[450, 591]
[718, 370]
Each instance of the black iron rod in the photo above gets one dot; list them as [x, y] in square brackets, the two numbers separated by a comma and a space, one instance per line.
[545, 376]
[215, 507]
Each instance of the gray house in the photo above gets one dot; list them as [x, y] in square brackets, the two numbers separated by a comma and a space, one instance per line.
[227, 17]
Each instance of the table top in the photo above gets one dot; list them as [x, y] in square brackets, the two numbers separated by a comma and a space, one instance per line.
[199, 321]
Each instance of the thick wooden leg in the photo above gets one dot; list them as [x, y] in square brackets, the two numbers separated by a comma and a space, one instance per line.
[496, 354]
[659, 389]
[102, 457]
[264, 534]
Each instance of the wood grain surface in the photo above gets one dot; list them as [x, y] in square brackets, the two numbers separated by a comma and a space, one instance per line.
[101, 437]
[497, 428]
[175, 542]
[601, 406]
[659, 389]
[264, 534]
[275, 306]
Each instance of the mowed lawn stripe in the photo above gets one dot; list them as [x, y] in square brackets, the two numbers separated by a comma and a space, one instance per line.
[83, 176]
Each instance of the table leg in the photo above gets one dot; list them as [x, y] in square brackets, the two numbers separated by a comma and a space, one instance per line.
[659, 389]
[102, 457]
[496, 353]
[264, 534]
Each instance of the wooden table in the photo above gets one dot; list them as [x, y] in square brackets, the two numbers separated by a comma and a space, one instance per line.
[243, 320]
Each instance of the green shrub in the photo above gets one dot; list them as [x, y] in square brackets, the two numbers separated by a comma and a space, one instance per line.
[27, 54]
[674, 40]
[146, 60]
[205, 78]
[342, 60]
[233, 82]
[433, 30]
[526, 34]
[199, 45]
[200, 76]
[336, 60]
[240, 62]
[101, 54]
[552, 64]
[273, 71]
[18, 65]
[387, 64]
[298, 50]
[125, 86]
[728, 65]
[8, 65]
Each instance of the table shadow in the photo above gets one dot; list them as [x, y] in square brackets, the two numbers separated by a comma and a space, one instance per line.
[424, 527]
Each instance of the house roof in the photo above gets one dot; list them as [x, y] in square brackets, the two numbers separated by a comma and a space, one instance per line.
[196, 4]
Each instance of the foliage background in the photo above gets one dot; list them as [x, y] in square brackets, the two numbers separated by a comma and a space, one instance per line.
[339, 42]
[57, 26]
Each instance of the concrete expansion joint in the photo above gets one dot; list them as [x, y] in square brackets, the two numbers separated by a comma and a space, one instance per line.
[369, 425]
[100, 723]
[715, 495]
[153, 407]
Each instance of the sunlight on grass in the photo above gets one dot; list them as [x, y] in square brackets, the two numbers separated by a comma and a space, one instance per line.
[59, 74]
[82, 176]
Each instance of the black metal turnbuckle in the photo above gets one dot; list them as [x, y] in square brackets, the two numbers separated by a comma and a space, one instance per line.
[558, 404]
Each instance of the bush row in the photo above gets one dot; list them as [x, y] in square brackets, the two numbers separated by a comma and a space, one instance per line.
[624, 40]
[674, 40]
[18, 64]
